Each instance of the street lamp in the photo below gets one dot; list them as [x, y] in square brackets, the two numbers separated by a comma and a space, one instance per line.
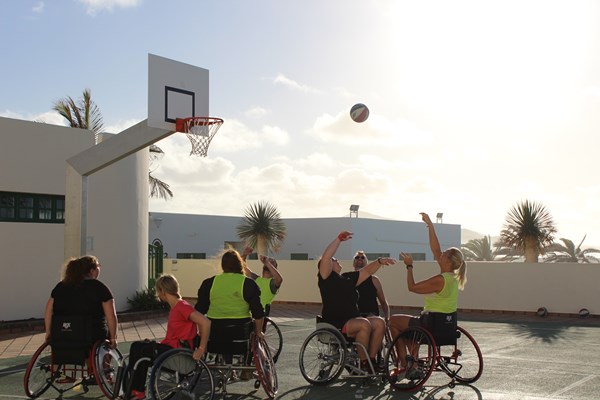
[354, 210]
[438, 217]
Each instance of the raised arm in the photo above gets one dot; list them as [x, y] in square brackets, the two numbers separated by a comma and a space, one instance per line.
[277, 277]
[432, 285]
[247, 271]
[434, 243]
[372, 267]
[203, 326]
[325, 266]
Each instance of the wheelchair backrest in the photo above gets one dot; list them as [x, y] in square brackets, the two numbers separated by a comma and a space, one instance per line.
[442, 327]
[229, 338]
[71, 339]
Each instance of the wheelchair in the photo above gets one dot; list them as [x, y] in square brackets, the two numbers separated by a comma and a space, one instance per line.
[443, 347]
[326, 353]
[234, 349]
[69, 362]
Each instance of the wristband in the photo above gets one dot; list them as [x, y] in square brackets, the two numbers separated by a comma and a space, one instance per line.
[409, 266]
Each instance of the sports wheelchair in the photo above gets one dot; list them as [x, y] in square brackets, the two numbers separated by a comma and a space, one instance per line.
[69, 362]
[443, 346]
[234, 349]
[273, 337]
[326, 352]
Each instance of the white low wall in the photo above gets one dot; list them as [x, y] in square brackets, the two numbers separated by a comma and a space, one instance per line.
[562, 288]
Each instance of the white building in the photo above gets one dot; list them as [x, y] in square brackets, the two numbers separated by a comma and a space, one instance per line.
[204, 236]
[32, 205]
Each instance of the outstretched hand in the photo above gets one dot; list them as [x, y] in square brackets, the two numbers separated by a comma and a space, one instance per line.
[247, 251]
[345, 235]
[407, 258]
[426, 218]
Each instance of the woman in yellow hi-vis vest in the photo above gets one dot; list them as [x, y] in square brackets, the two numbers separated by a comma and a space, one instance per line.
[270, 281]
[440, 290]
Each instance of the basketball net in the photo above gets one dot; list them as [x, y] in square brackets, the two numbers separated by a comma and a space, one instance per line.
[200, 131]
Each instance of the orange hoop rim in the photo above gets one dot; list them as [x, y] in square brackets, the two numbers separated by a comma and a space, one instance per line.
[183, 124]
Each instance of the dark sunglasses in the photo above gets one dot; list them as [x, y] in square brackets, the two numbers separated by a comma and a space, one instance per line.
[359, 257]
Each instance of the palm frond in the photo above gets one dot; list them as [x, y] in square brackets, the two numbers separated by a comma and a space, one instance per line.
[159, 189]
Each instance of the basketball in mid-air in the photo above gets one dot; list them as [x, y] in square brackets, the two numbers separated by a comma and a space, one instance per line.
[359, 112]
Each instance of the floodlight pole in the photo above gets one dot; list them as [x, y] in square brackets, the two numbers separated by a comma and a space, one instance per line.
[89, 161]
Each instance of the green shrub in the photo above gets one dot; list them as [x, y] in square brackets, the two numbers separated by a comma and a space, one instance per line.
[146, 300]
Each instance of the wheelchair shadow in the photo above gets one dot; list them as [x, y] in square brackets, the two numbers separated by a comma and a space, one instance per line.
[379, 392]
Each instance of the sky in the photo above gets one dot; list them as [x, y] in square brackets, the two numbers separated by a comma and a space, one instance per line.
[474, 106]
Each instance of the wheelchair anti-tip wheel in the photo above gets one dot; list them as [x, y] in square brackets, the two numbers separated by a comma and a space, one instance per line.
[322, 356]
[175, 375]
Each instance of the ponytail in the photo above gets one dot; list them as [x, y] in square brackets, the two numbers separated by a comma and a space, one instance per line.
[461, 275]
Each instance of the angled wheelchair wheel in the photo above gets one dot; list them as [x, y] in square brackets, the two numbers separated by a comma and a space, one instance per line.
[463, 361]
[273, 337]
[106, 363]
[39, 373]
[322, 356]
[175, 375]
[265, 366]
[415, 353]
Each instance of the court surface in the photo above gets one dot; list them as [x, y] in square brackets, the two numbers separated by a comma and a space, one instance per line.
[524, 358]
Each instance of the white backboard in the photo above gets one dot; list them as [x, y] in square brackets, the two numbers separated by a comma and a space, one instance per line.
[175, 90]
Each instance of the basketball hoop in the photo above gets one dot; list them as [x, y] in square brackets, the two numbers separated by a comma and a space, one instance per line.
[200, 131]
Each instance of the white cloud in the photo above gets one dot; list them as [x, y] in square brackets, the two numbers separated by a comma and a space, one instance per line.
[94, 6]
[38, 8]
[593, 91]
[49, 117]
[256, 112]
[235, 136]
[292, 84]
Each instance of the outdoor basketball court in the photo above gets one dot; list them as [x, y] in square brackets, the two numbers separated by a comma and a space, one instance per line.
[523, 359]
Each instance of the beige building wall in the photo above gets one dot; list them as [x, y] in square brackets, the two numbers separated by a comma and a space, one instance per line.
[518, 287]
[33, 160]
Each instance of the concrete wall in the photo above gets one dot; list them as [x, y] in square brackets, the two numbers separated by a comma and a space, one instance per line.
[32, 160]
[188, 233]
[562, 288]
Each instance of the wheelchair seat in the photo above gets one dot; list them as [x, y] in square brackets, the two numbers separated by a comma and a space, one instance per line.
[227, 337]
[322, 324]
[71, 339]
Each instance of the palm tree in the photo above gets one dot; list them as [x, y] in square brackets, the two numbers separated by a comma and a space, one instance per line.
[85, 114]
[567, 252]
[262, 228]
[528, 227]
[479, 249]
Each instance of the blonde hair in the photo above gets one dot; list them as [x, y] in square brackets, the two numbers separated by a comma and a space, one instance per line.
[167, 284]
[459, 266]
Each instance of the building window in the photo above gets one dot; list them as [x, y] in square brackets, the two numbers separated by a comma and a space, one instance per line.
[29, 207]
[191, 256]
[416, 256]
[375, 256]
[299, 256]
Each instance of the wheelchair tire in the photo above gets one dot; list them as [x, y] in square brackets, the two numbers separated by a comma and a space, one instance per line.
[421, 359]
[265, 366]
[38, 376]
[175, 375]
[463, 361]
[106, 364]
[273, 337]
[323, 356]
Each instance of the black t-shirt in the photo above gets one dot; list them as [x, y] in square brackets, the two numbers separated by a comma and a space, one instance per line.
[367, 297]
[83, 299]
[339, 297]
